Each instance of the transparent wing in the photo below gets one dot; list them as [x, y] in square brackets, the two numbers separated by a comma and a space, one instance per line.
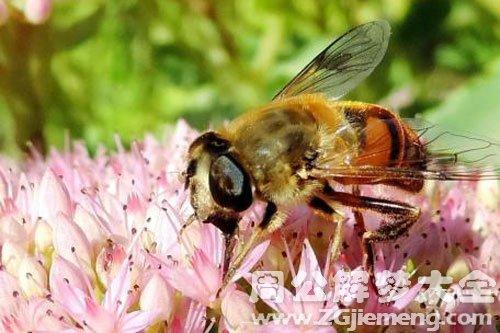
[448, 156]
[457, 156]
[458, 148]
[343, 64]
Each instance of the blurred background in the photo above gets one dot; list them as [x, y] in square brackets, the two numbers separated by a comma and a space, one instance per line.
[93, 68]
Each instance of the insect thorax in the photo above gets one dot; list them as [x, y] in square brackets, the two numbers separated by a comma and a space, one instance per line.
[278, 146]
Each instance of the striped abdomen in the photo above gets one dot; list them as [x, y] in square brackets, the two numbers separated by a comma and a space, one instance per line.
[385, 141]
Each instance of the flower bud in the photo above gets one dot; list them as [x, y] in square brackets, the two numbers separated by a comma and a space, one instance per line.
[4, 12]
[43, 236]
[32, 277]
[12, 255]
[237, 308]
[37, 11]
[157, 296]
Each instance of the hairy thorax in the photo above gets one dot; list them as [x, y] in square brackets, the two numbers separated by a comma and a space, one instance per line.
[280, 144]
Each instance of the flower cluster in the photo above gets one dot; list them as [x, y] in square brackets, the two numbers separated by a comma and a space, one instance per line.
[98, 244]
[31, 11]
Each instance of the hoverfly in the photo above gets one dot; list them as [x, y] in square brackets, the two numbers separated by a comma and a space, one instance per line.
[297, 148]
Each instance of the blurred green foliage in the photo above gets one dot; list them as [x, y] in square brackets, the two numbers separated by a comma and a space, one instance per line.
[130, 66]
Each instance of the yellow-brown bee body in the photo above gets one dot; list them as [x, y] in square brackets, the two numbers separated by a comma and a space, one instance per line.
[296, 148]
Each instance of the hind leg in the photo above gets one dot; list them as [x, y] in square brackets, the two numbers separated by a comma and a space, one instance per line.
[398, 218]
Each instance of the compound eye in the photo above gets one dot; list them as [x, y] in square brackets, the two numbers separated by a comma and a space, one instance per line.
[230, 184]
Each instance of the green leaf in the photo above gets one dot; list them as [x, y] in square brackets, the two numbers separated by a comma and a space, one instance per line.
[473, 108]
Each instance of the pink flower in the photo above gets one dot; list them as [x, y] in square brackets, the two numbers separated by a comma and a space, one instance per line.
[311, 300]
[18, 314]
[100, 244]
[189, 317]
[109, 261]
[204, 246]
[109, 316]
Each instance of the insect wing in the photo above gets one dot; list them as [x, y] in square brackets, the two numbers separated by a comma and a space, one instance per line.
[343, 64]
[448, 156]
[457, 156]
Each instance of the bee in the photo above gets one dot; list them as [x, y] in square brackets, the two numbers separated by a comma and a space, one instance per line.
[296, 149]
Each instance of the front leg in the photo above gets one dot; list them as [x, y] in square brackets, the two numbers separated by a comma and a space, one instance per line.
[325, 209]
[272, 220]
[227, 222]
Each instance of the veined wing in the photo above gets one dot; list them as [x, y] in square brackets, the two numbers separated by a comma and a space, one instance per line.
[343, 64]
[447, 156]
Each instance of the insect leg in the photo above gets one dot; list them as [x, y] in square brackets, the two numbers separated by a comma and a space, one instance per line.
[391, 229]
[399, 217]
[271, 221]
[228, 224]
[323, 207]
[230, 242]
[360, 229]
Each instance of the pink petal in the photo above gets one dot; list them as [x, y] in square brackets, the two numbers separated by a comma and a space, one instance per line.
[71, 298]
[32, 277]
[35, 314]
[12, 231]
[82, 308]
[90, 227]
[408, 297]
[309, 266]
[204, 278]
[165, 227]
[137, 321]
[116, 298]
[70, 242]
[237, 308]
[25, 198]
[207, 271]
[12, 255]
[53, 198]
[63, 270]
[109, 262]
[157, 295]
[251, 259]
[9, 286]
[193, 317]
